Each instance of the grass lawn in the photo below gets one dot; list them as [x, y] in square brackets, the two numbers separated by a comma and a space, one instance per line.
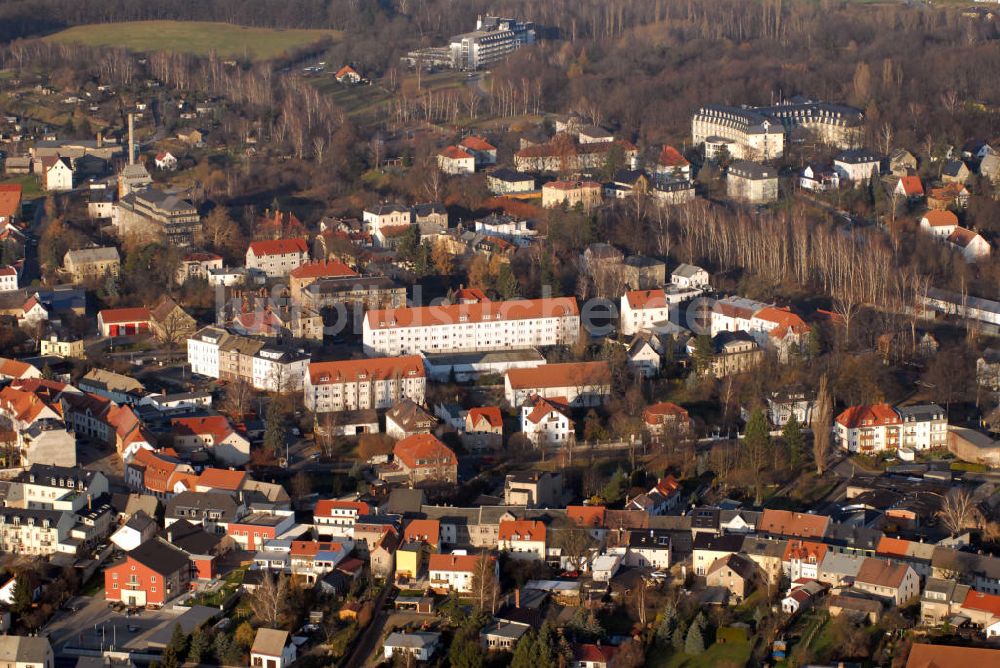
[197, 37]
[728, 654]
[30, 187]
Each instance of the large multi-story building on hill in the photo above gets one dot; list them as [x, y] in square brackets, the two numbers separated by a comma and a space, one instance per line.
[759, 133]
[153, 213]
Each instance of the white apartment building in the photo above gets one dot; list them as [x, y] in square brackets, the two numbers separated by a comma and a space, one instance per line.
[546, 422]
[277, 257]
[880, 427]
[374, 383]
[472, 327]
[734, 314]
[203, 351]
[339, 517]
[35, 532]
[279, 370]
[386, 215]
[455, 572]
[642, 310]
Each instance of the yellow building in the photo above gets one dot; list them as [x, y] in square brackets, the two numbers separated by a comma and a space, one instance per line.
[63, 346]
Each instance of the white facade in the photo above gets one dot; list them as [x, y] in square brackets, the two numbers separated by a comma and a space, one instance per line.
[642, 310]
[8, 279]
[544, 424]
[203, 351]
[386, 215]
[59, 177]
[277, 258]
[688, 276]
[471, 327]
[277, 371]
[363, 384]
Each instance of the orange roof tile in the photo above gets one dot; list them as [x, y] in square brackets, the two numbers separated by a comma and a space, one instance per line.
[10, 368]
[10, 199]
[962, 237]
[671, 157]
[223, 479]
[568, 374]
[788, 523]
[940, 219]
[881, 573]
[120, 315]
[895, 547]
[216, 426]
[375, 368]
[490, 414]
[533, 530]
[471, 295]
[804, 550]
[344, 71]
[643, 299]
[912, 186]
[325, 507]
[462, 563]
[868, 415]
[950, 656]
[322, 269]
[455, 153]
[977, 600]
[278, 247]
[660, 412]
[544, 407]
[427, 531]
[586, 516]
[422, 447]
[447, 314]
[477, 143]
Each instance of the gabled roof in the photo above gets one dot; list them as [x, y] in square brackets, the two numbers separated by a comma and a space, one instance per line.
[422, 447]
[586, 516]
[488, 414]
[160, 556]
[940, 219]
[868, 415]
[476, 143]
[325, 507]
[120, 315]
[788, 523]
[671, 157]
[950, 656]
[344, 71]
[278, 247]
[589, 653]
[10, 199]
[427, 531]
[643, 299]
[322, 269]
[375, 368]
[455, 153]
[911, 185]
[462, 563]
[269, 642]
[513, 530]
[224, 479]
[881, 573]
[216, 426]
[658, 412]
[962, 237]
[569, 374]
[977, 600]
[543, 407]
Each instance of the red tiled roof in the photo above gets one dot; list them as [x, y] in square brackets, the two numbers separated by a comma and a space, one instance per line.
[784, 321]
[788, 523]
[912, 186]
[427, 531]
[544, 407]
[563, 145]
[522, 530]
[642, 299]
[462, 563]
[376, 368]
[322, 269]
[201, 256]
[119, 315]
[156, 470]
[476, 143]
[671, 157]
[325, 507]
[423, 447]
[896, 547]
[589, 653]
[962, 237]
[8, 271]
[344, 71]
[515, 309]
[940, 219]
[455, 153]
[977, 600]
[216, 426]
[868, 415]
[13, 368]
[491, 414]
[568, 374]
[586, 516]
[950, 656]
[278, 247]
[224, 479]
[804, 550]
[657, 413]
[881, 573]
[10, 199]
[472, 295]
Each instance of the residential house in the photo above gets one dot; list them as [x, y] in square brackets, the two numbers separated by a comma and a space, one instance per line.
[547, 422]
[752, 182]
[8, 278]
[150, 575]
[643, 310]
[215, 511]
[407, 418]
[732, 353]
[277, 257]
[198, 265]
[572, 194]
[666, 419]
[26, 652]
[902, 162]
[118, 388]
[386, 215]
[593, 655]
[484, 152]
[170, 323]
[339, 517]
[888, 580]
[802, 559]
[57, 173]
[950, 656]
[736, 573]
[788, 524]
[939, 224]
[422, 457]
[908, 187]
[483, 429]
[421, 645]
[456, 572]
[522, 539]
[819, 179]
[648, 549]
[642, 358]
[856, 166]
[533, 490]
[671, 163]
[955, 171]
[708, 548]
[689, 276]
[165, 161]
[455, 160]
[971, 244]
[502, 636]
[272, 648]
[348, 74]
[213, 433]
[508, 182]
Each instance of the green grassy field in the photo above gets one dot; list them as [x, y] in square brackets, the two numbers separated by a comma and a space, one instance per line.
[197, 37]
[30, 188]
[728, 654]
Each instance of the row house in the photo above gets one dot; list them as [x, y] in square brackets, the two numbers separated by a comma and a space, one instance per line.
[216, 353]
[472, 327]
[891, 581]
[578, 383]
[523, 539]
[58, 488]
[374, 383]
[277, 257]
[872, 428]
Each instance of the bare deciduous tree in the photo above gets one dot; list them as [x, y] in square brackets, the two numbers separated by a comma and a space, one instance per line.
[958, 511]
[821, 425]
[269, 599]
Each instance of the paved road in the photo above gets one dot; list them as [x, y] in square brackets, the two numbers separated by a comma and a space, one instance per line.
[370, 635]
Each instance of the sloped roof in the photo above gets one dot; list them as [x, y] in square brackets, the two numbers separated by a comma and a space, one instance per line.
[940, 219]
[422, 447]
[868, 415]
[671, 157]
[278, 247]
[455, 153]
[881, 573]
[124, 315]
[269, 642]
[10, 199]
[643, 299]
[477, 143]
[322, 269]
[568, 374]
[532, 530]
[490, 414]
[515, 309]
[375, 368]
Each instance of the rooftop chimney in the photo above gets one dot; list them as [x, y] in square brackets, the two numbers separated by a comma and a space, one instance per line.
[131, 139]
